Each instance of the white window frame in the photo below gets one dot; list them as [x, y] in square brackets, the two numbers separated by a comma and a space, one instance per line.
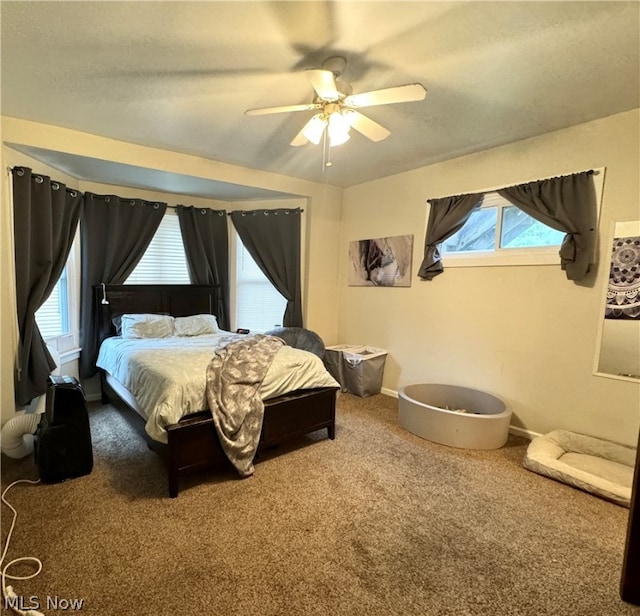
[67, 344]
[542, 255]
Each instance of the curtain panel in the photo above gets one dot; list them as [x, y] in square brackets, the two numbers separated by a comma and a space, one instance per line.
[446, 216]
[206, 243]
[567, 204]
[272, 238]
[46, 217]
[115, 234]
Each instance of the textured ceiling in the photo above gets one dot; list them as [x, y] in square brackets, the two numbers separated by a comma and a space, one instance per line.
[179, 76]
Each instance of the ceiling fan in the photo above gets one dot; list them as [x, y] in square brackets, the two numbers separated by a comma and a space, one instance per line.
[338, 108]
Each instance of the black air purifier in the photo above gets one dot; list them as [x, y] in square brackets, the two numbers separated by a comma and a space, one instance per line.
[63, 439]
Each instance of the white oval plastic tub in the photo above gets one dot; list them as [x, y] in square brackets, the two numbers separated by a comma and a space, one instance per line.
[454, 416]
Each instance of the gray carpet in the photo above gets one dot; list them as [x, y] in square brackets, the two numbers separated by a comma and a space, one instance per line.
[377, 522]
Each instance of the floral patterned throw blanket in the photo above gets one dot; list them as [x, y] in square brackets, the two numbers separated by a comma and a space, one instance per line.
[234, 376]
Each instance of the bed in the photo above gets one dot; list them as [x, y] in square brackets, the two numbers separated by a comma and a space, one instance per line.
[183, 431]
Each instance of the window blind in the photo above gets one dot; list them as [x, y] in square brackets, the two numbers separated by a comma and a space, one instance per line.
[53, 316]
[259, 306]
[164, 261]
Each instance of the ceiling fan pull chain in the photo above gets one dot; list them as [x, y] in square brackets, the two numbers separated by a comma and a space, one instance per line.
[326, 150]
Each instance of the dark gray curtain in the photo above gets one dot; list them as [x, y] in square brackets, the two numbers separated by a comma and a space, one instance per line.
[114, 235]
[206, 244]
[45, 221]
[566, 204]
[446, 216]
[272, 238]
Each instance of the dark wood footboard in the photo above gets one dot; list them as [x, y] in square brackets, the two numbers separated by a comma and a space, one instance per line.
[193, 442]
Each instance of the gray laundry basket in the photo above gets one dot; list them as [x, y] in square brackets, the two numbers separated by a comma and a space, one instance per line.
[363, 370]
[334, 360]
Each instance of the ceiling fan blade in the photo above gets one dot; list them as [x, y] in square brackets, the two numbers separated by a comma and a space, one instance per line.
[302, 23]
[207, 73]
[398, 94]
[370, 129]
[283, 109]
[324, 83]
[299, 139]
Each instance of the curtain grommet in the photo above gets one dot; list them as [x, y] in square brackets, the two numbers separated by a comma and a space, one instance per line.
[38, 178]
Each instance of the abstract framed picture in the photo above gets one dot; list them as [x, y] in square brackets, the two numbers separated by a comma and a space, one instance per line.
[381, 262]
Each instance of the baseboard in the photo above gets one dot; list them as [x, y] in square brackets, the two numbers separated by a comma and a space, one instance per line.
[94, 397]
[523, 433]
[516, 431]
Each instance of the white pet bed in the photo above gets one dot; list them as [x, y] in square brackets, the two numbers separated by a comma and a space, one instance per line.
[591, 464]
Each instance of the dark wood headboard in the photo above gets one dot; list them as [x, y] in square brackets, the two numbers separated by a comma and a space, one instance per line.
[178, 300]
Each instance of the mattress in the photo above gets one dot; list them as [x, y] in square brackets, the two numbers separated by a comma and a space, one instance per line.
[166, 377]
[597, 466]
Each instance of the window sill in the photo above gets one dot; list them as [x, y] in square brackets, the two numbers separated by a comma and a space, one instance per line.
[69, 355]
[501, 259]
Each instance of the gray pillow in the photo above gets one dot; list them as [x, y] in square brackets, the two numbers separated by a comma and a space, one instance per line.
[300, 338]
[147, 326]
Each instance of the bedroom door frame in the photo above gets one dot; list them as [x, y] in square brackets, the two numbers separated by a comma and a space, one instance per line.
[630, 580]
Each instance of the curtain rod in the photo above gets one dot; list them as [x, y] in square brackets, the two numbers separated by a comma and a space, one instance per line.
[266, 210]
[198, 207]
[495, 188]
[171, 207]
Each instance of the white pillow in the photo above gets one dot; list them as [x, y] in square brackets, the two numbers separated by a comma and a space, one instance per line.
[196, 325]
[147, 325]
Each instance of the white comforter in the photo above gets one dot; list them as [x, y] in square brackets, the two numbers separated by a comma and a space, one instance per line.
[167, 376]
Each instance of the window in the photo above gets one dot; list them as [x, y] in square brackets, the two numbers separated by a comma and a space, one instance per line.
[258, 305]
[500, 233]
[58, 317]
[164, 260]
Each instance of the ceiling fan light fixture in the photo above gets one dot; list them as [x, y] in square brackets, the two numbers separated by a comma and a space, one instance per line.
[338, 128]
[314, 129]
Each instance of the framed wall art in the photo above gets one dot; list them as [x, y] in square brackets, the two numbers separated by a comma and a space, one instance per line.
[381, 262]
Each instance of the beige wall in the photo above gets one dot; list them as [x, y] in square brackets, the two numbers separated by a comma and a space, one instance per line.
[322, 206]
[524, 333]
